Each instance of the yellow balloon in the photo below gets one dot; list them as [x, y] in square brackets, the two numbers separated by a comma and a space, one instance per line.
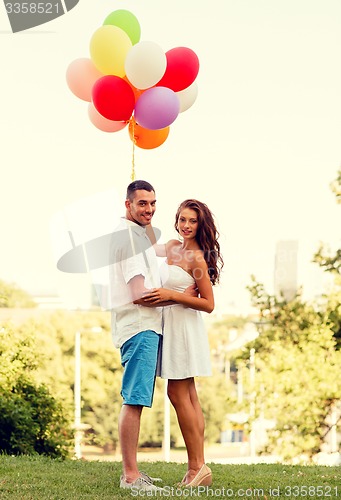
[109, 46]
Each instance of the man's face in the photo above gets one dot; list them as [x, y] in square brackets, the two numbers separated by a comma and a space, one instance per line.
[141, 209]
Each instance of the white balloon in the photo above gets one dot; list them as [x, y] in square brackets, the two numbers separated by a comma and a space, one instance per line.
[188, 96]
[145, 64]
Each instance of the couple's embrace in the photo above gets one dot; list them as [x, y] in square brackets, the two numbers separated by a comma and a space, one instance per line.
[157, 324]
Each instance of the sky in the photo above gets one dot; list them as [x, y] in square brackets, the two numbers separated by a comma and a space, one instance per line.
[260, 146]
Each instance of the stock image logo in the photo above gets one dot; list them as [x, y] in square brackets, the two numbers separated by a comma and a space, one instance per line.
[25, 14]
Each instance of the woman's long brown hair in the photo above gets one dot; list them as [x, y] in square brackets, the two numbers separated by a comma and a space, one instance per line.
[206, 237]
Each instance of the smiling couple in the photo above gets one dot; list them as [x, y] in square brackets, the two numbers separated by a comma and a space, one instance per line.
[157, 323]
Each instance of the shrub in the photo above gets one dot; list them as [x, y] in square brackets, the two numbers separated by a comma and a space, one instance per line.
[31, 420]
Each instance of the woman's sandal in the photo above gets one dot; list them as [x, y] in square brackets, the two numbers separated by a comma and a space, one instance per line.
[203, 478]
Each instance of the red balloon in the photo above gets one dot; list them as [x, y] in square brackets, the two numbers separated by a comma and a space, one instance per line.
[113, 98]
[182, 69]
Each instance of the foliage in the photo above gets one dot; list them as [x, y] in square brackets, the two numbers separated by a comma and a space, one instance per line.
[152, 422]
[53, 335]
[297, 372]
[13, 296]
[332, 305]
[31, 419]
[323, 257]
[332, 264]
[336, 186]
[54, 366]
[101, 375]
[40, 477]
[297, 361]
[100, 369]
[329, 262]
[219, 330]
[212, 393]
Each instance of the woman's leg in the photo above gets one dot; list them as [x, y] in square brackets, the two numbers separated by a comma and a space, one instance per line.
[198, 410]
[183, 396]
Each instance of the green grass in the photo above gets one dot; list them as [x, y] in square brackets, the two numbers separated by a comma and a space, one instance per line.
[41, 478]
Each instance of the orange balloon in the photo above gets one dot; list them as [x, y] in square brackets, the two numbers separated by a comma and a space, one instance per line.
[146, 138]
[137, 92]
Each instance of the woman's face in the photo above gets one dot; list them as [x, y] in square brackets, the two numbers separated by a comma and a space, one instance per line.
[188, 223]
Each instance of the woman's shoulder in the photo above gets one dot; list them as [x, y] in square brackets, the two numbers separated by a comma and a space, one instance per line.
[173, 244]
[198, 257]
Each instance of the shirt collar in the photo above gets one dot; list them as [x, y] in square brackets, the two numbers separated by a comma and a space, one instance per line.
[140, 230]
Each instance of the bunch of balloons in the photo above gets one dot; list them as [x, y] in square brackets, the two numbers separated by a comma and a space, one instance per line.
[133, 83]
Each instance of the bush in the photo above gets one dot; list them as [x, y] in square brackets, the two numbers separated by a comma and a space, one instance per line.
[31, 419]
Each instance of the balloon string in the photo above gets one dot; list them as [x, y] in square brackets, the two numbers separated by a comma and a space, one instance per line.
[133, 176]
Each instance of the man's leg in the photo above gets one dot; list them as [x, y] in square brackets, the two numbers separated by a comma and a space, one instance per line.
[129, 430]
[139, 357]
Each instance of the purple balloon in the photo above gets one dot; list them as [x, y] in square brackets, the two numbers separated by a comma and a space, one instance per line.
[157, 108]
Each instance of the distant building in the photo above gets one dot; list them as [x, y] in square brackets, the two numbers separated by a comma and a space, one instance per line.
[285, 272]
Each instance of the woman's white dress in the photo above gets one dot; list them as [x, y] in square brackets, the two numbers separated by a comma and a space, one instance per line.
[185, 349]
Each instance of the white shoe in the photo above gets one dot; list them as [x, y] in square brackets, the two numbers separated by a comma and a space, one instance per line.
[141, 483]
[150, 479]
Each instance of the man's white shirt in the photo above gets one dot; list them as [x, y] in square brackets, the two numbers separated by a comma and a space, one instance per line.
[132, 254]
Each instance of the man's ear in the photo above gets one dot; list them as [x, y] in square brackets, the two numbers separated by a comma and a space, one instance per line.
[127, 203]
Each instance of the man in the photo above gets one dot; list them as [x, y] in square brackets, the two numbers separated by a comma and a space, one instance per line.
[136, 328]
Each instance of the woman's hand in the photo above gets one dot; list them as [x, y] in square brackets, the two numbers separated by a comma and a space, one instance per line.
[157, 295]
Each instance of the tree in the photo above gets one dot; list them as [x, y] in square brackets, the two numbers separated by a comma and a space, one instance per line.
[49, 355]
[100, 369]
[336, 186]
[13, 296]
[331, 263]
[297, 372]
[323, 257]
[212, 392]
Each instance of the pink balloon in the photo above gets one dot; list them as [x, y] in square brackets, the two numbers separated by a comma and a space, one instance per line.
[103, 123]
[157, 108]
[81, 75]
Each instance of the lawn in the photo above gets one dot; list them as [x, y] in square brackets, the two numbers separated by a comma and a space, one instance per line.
[40, 478]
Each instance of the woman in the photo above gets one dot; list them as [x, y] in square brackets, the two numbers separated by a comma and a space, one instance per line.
[185, 352]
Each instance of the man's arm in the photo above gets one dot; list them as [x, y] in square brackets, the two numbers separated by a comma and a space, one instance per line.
[191, 291]
[138, 291]
[137, 288]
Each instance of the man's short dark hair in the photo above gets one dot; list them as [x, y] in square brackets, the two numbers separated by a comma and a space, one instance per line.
[136, 185]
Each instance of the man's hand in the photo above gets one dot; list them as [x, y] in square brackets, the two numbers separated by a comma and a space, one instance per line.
[192, 290]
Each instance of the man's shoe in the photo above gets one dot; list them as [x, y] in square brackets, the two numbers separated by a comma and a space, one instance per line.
[150, 479]
[141, 483]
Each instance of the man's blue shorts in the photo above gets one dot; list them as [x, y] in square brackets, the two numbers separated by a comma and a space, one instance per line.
[139, 358]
